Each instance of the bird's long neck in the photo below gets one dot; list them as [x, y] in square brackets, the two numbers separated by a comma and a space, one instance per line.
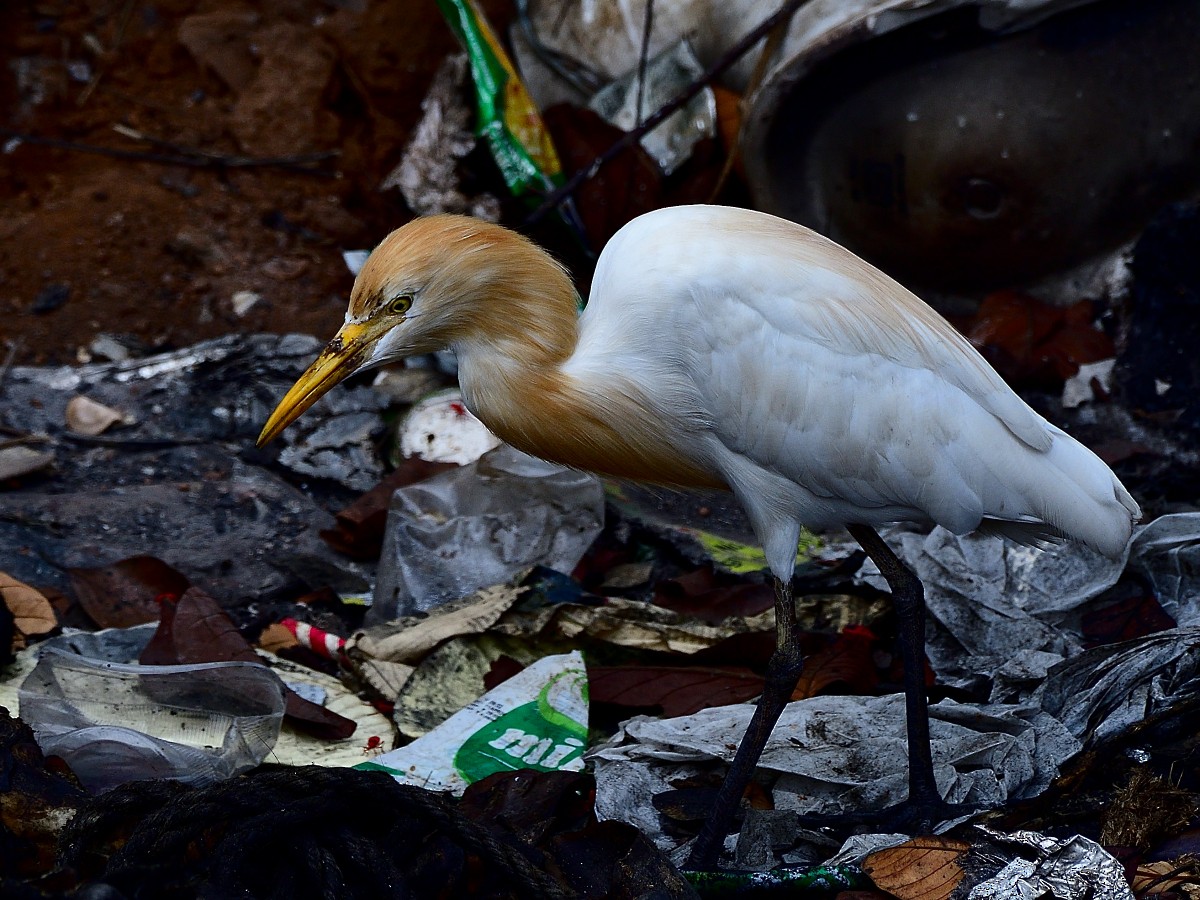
[514, 372]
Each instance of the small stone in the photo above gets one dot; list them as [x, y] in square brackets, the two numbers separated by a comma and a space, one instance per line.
[285, 268]
[50, 298]
[106, 346]
[17, 460]
[86, 416]
[243, 301]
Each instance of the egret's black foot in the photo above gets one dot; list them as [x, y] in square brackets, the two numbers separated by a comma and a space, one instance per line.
[906, 817]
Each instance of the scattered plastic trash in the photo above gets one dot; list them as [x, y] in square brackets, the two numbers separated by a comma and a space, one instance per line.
[429, 666]
[508, 118]
[995, 606]
[984, 864]
[386, 655]
[1100, 693]
[834, 754]
[820, 881]
[1046, 866]
[477, 526]
[1092, 380]
[427, 174]
[666, 75]
[194, 629]
[592, 45]
[373, 732]
[115, 722]
[188, 457]
[1167, 552]
[440, 428]
[535, 720]
[319, 641]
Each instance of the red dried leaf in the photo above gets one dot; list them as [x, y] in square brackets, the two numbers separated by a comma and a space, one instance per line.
[502, 669]
[1135, 613]
[194, 629]
[628, 186]
[712, 597]
[1031, 342]
[751, 649]
[359, 529]
[676, 690]
[847, 661]
[125, 594]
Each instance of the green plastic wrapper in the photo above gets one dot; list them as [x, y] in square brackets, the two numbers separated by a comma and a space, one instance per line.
[508, 119]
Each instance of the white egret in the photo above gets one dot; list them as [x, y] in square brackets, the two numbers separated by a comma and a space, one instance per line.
[728, 348]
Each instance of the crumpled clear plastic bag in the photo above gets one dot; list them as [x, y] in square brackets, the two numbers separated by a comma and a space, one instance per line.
[1167, 552]
[479, 525]
[115, 722]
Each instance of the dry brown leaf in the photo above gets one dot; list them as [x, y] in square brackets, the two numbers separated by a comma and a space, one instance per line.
[127, 592]
[676, 690]
[275, 638]
[19, 460]
[33, 615]
[848, 661]
[86, 416]
[1164, 877]
[925, 868]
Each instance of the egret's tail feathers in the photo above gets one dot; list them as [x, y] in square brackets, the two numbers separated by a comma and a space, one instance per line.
[1027, 534]
[1042, 497]
[1078, 496]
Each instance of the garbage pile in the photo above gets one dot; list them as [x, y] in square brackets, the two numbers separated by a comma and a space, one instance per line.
[497, 617]
[392, 656]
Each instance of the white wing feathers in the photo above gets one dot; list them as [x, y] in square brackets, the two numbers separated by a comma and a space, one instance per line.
[838, 390]
[898, 327]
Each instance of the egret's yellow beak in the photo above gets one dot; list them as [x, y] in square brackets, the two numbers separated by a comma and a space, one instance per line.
[340, 358]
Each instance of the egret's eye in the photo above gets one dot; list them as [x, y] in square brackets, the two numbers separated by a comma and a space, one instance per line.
[400, 305]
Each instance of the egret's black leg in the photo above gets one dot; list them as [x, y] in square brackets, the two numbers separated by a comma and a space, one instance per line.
[908, 595]
[783, 672]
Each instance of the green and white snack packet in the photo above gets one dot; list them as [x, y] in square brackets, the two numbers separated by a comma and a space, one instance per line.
[535, 720]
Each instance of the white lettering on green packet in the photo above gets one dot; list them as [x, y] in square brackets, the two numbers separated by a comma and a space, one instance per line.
[533, 736]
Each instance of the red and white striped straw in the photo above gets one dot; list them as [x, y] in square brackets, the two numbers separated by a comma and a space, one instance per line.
[323, 643]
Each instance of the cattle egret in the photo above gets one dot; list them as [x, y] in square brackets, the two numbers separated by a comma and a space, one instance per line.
[728, 348]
